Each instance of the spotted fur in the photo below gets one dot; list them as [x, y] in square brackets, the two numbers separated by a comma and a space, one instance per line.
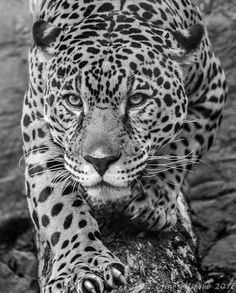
[124, 97]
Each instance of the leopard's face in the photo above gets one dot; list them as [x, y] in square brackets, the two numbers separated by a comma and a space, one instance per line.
[110, 104]
[121, 104]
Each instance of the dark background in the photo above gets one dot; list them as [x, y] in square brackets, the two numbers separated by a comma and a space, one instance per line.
[212, 185]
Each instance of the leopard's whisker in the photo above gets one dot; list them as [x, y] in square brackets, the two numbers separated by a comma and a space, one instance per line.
[167, 169]
[61, 176]
[172, 158]
[67, 183]
[156, 163]
[74, 185]
[61, 164]
[193, 159]
[139, 183]
[191, 121]
[54, 149]
[44, 171]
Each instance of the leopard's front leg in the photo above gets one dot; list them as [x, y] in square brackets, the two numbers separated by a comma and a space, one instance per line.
[154, 201]
[63, 220]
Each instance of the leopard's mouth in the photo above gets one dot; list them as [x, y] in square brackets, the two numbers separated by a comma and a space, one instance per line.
[104, 184]
[103, 192]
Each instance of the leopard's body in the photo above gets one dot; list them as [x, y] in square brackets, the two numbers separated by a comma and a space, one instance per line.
[120, 91]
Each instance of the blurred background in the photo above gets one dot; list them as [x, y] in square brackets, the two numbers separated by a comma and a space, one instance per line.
[212, 186]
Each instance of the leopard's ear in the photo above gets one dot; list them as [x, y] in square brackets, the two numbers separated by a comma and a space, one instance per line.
[45, 34]
[187, 42]
[190, 39]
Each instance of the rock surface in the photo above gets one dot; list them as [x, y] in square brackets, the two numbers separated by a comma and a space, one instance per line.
[212, 187]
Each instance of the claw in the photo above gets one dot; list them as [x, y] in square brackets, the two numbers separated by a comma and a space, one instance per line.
[118, 275]
[122, 280]
[88, 285]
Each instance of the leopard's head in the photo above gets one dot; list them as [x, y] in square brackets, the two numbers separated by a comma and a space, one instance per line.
[113, 93]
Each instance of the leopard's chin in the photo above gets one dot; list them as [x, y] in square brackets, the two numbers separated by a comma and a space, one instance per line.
[105, 192]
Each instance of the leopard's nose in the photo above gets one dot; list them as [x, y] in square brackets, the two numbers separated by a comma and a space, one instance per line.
[102, 164]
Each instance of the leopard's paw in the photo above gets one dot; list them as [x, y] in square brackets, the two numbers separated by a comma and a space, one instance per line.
[81, 282]
[115, 275]
[90, 283]
[151, 215]
[104, 271]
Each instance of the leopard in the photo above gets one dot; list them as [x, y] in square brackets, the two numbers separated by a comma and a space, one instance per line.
[124, 97]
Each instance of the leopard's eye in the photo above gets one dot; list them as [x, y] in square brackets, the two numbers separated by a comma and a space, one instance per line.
[73, 100]
[137, 100]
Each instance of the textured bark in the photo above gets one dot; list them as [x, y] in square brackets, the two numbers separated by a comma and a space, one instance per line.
[164, 262]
